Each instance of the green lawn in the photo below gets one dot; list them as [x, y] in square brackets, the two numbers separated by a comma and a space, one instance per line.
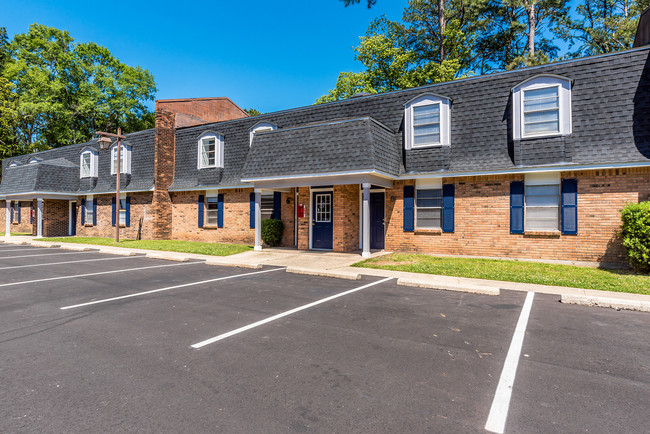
[215, 249]
[514, 271]
[16, 234]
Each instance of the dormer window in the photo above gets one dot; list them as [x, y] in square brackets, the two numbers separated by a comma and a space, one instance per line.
[13, 164]
[33, 160]
[542, 107]
[88, 164]
[427, 120]
[210, 151]
[125, 159]
[260, 127]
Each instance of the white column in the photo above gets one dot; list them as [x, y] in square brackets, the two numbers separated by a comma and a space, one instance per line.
[366, 220]
[258, 220]
[39, 218]
[8, 220]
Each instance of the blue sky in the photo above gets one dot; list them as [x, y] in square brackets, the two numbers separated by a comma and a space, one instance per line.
[269, 55]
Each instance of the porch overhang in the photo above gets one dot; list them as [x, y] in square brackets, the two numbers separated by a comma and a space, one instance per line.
[39, 195]
[313, 180]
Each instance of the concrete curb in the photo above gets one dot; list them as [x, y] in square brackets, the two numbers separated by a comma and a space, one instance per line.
[432, 284]
[232, 264]
[75, 248]
[168, 257]
[613, 303]
[42, 244]
[324, 273]
[117, 252]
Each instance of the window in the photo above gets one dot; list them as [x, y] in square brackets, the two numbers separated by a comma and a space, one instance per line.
[323, 208]
[13, 164]
[427, 121]
[267, 205]
[123, 211]
[90, 209]
[542, 107]
[125, 159]
[428, 207]
[426, 125]
[211, 211]
[260, 127]
[542, 199]
[16, 211]
[210, 151]
[33, 160]
[85, 164]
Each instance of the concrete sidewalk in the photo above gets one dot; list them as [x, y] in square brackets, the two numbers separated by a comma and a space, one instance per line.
[330, 264]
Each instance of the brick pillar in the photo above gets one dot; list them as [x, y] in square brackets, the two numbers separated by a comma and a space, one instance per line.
[346, 218]
[163, 174]
[305, 222]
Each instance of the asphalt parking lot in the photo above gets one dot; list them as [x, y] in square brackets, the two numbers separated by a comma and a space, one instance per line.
[94, 342]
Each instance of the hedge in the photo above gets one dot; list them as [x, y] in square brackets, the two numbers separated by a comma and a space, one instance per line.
[272, 231]
[635, 232]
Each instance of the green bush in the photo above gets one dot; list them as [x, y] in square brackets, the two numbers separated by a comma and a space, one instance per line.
[636, 235]
[272, 232]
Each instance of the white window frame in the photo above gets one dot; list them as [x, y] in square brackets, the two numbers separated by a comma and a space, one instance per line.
[427, 184]
[121, 211]
[218, 150]
[267, 199]
[125, 155]
[258, 128]
[211, 198]
[13, 164]
[563, 85]
[89, 210]
[92, 170]
[445, 120]
[33, 160]
[543, 180]
[16, 211]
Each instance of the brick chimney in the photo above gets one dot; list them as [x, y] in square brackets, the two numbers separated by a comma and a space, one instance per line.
[171, 114]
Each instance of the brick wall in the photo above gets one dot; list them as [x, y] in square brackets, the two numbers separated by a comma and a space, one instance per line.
[236, 218]
[24, 227]
[288, 217]
[305, 222]
[195, 111]
[346, 217]
[482, 219]
[141, 218]
[55, 218]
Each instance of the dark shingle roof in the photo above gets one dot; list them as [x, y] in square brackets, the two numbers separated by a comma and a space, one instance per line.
[348, 145]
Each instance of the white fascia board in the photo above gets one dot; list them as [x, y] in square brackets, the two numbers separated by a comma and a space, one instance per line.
[40, 195]
[564, 168]
[211, 187]
[326, 179]
[321, 175]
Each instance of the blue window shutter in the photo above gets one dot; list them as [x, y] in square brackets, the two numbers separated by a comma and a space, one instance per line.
[83, 212]
[31, 212]
[252, 210]
[277, 205]
[201, 210]
[127, 218]
[220, 211]
[448, 191]
[517, 207]
[113, 213]
[94, 211]
[570, 206]
[409, 208]
[18, 208]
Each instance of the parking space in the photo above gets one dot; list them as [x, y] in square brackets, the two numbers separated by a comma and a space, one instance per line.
[108, 345]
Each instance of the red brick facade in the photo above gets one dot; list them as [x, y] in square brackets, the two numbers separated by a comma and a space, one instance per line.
[141, 218]
[195, 111]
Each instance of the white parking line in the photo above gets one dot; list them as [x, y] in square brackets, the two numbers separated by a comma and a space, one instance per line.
[23, 249]
[137, 294]
[121, 270]
[44, 254]
[283, 314]
[60, 263]
[496, 421]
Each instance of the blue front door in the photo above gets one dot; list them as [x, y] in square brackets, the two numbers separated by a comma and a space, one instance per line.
[321, 220]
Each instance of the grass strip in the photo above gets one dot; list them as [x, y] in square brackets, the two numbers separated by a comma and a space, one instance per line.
[514, 271]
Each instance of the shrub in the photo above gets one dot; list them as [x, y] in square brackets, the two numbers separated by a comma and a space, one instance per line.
[635, 232]
[272, 231]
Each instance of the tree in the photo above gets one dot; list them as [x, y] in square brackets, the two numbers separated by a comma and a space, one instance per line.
[347, 3]
[253, 112]
[62, 91]
[601, 26]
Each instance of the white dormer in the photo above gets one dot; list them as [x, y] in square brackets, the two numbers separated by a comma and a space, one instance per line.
[34, 160]
[13, 164]
[210, 150]
[542, 107]
[259, 127]
[427, 121]
[88, 163]
[125, 159]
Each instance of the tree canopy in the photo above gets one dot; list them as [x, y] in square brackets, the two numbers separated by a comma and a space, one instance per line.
[439, 40]
[55, 92]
